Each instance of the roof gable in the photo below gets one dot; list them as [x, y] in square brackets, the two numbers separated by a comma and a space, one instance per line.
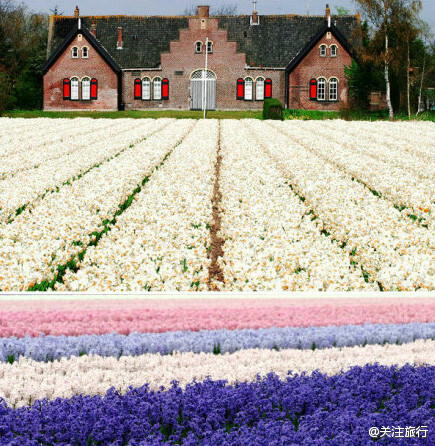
[313, 42]
[79, 29]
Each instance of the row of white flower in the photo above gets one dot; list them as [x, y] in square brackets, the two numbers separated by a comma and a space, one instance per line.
[393, 150]
[270, 241]
[412, 189]
[161, 241]
[414, 138]
[25, 187]
[27, 380]
[35, 151]
[17, 134]
[392, 248]
[41, 238]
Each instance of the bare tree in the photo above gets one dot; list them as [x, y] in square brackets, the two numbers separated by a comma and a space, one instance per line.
[383, 15]
[215, 11]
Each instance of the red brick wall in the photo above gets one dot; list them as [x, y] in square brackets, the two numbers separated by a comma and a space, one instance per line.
[225, 62]
[67, 67]
[315, 66]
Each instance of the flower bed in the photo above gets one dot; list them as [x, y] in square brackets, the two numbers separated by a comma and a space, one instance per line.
[263, 412]
[238, 206]
[369, 228]
[248, 386]
[99, 317]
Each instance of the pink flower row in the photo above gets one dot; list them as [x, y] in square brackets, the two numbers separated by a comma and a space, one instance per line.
[59, 317]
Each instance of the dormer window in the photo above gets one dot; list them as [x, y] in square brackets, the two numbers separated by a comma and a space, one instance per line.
[333, 50]
[85, 52]
[323, 50]
[209, 47]
[198, 47]
[75, 52]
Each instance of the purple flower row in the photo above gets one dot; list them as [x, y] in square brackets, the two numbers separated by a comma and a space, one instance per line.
[301, 410]
[46, 348]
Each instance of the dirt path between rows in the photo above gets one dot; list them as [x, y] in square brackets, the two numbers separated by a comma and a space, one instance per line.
[215, 273]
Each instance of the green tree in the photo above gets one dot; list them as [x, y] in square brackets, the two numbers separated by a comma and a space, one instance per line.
[340, 10]
[387, 17]
[23, 38]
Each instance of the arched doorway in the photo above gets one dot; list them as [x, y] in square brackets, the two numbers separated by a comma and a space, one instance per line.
[202, 83]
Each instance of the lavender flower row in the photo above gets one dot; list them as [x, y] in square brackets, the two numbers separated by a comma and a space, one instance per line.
[48, 348]
[336, 410]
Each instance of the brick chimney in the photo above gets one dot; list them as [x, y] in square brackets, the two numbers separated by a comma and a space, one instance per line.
[254, 18]
[93, 29]
[328, 15]
[120, 42]
[77, 12]
[203, 11]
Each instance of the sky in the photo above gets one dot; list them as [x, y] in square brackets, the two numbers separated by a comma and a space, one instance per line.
[177, 7]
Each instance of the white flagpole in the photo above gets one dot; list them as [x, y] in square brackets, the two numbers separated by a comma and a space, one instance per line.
[205, 77]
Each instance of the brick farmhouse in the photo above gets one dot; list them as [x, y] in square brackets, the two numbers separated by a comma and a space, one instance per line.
[135, 62]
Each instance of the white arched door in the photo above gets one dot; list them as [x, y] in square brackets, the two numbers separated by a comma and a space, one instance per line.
[202, 88]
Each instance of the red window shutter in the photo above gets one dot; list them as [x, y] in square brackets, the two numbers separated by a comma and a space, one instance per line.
[313, 89]
[240, 88]
[165, 89]
[137, 89]
[94, 88]
[268, 88]
[66, 89]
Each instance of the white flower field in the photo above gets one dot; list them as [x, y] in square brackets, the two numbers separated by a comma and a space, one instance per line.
[165, 205]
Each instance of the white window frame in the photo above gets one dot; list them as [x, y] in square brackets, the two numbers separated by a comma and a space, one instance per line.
[259, 88]
[83, 52]
[333, 50]
[321, 82]
[249, 92]
[333, 89]
[146, 97]
[198, 51]
[323, 50]
[76, 50]
[157, 88]
[75, 82]
[86, 89]
[209, 44]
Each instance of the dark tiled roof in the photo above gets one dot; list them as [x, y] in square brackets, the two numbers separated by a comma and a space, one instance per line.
[277, 40]
[273, 43]
[144, 37]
